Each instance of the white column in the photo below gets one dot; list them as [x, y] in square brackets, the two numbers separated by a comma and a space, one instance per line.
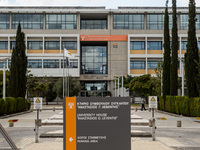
[4, 80]
[43, 44]
[61, 45]
[146, 52]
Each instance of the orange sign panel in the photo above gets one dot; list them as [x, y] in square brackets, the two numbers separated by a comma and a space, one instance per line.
[70, 123]
[103, 37]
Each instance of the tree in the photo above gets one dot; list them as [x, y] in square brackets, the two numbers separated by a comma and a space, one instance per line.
[18, 70]
[191, 56]
[167, 59]
[174, 64]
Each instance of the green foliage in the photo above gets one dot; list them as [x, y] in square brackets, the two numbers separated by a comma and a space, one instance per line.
[191, 56]
[180, 105]
[174, 64]
[18, 70]
[167, 59]
[13, 105]
[1, 82]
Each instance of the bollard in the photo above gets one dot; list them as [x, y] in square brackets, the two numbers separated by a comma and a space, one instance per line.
[54, 109]
[178, 123]
[11, 124]
[150, 123]
[135, 109]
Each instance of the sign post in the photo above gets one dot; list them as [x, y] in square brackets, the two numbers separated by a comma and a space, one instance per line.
[153, 104]
[37, 106]
[97, 123]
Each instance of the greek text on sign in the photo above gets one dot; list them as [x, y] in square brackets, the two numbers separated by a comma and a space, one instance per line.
[153, 103]
[37, 102]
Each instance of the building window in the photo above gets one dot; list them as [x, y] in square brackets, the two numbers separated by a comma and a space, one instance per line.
[35, 45]
[137, 65]
[4, 21]
[34, 63]
[51, 63]
[12, 44]
[69, 45]
[94, 60]
[137, 45]
[93, 24]
[154, 45]
[152, 64]
[156, 21]
[198, 22]
[3, 45]
[94, 86]
[184, 21]
[131, 21]
[1, 64]
[61, 21]
[27, 21]
[73, 63]
[52, 45]
[183, 45]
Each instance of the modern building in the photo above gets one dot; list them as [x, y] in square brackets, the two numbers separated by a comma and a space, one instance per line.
[106, 42]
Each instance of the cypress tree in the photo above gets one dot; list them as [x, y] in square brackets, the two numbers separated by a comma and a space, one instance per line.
[174, 64]
[167, 59]
[191, 56]
[18, 68]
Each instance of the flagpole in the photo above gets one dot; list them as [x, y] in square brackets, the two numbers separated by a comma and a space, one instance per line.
[68, 78]
[63, 75]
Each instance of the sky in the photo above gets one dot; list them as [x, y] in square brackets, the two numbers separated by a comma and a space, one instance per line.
[109, 4]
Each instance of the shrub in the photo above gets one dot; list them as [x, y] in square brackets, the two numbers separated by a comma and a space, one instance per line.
[2, 106]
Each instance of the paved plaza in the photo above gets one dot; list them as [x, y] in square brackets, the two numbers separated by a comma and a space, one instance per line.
[168, 135]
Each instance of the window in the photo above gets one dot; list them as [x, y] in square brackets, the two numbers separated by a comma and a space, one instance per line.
[28, 21]
[69, 45]
[61, 21]
[94, 60]
[184, 21]
[198, 22]
[156, 21]
[2, 63]
[53, 45]
[94, 86]
[183, 45]
[137, 65]
[12, 44]
[34, 63]
[73, 63]
[137, 45]
[154, 45]
[128, 21]
[152, 64]
[93, 24]
[35, 45]
[51, 63]
[3, 45]
[4, 21]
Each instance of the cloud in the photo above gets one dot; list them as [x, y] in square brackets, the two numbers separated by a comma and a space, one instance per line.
[4, 2]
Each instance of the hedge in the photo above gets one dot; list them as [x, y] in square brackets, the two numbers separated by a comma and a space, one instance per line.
[13, 105]
[180, 105]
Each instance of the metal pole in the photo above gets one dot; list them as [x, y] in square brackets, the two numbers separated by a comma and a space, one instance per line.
[183, 87]
[115, 89]
[4, 81]
[36, 127]
[161, 84]
[122, 85]
[68, 81]
[63, 76]
[153, 127]
[118, 87]
[66, 78]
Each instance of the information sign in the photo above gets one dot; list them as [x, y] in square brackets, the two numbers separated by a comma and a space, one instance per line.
[153, 103]
[97, 123]
[37, 102]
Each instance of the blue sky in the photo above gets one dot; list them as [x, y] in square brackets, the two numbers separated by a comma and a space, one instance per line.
[107, 3]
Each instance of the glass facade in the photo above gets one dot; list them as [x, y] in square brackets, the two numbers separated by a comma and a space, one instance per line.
[61, 21]
[94, 86]
[137, 65]
[137, 45]
[12, 44]
[93, 24]
[4, 21]
[154, 45]
[73, 63]
[52, 45]
[128, 21]
[27, 21]
[35, 45]
[152, 64]
[3, 45]
[183, 45]
[1, 64]
[34, 63]
[51, 63]
[94, 60]
[69, 45]
[156, 21]
[184, 21]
